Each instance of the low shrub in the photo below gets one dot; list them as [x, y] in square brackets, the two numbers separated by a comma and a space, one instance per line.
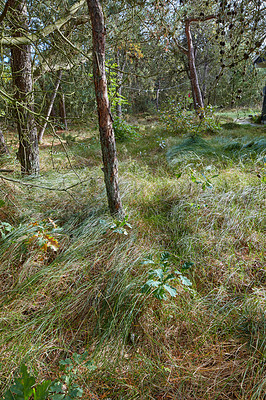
[179, 120]
[123, 130]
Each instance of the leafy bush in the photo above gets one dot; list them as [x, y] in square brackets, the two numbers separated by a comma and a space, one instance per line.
[179, 120]
[231, 126]
[24, 386]
[66, 388]
[117, 226]
[256, 119]
[5, 229]
[123, 130]
[159, 278]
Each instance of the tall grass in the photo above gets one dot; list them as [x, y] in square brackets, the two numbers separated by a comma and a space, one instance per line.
[206, 343]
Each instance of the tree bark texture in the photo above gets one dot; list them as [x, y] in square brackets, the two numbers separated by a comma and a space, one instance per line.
[196, 92]
[107, 137]
[28, 153]
[49, 111]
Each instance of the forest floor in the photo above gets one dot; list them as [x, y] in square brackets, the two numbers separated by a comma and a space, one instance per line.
[73, 281]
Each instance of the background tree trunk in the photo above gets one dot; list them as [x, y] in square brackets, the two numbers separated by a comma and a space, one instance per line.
[59, 76]
[157, 95]
[62, 111]
[196, 92]
[107, 137]
[3, 146]
[120, 73]
[28, 153]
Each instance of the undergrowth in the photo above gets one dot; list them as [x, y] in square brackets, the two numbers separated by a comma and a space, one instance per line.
[74, 282]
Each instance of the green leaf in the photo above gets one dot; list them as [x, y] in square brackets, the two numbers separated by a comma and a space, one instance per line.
[157, 272]
[121, 231]
[152, 283]
[58, 397]
[263, 179]
[185, 281]
[2, 203]
[40, 392]
[67, 380]
[160, 294]
[56, 387]
[178, 175]
[187, 265]
[67, 361]
[147, 261]
[91, 366]
[22, 386]
[27, 381]
[172, 291]
[77, 358]
[169, 277]
[76, 392]
[67, 397]
[165, 256]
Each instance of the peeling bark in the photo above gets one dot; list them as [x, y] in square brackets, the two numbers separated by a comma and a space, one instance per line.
[107, 137]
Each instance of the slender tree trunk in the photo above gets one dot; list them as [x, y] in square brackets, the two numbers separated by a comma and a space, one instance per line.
[120, 75]
[40, 136]
[196, 92]
[3, 146]
[62, 110]
[263, 113]
[157, 95]
[118, 104]
[107, 137]
[28, 152]
[205, 74]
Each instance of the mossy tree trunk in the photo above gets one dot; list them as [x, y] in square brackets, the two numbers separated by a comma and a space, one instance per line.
[28, 152]
[107, 137]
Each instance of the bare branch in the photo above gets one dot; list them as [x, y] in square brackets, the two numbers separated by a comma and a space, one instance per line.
[183, 49]
[201, 19]
[41, 186]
